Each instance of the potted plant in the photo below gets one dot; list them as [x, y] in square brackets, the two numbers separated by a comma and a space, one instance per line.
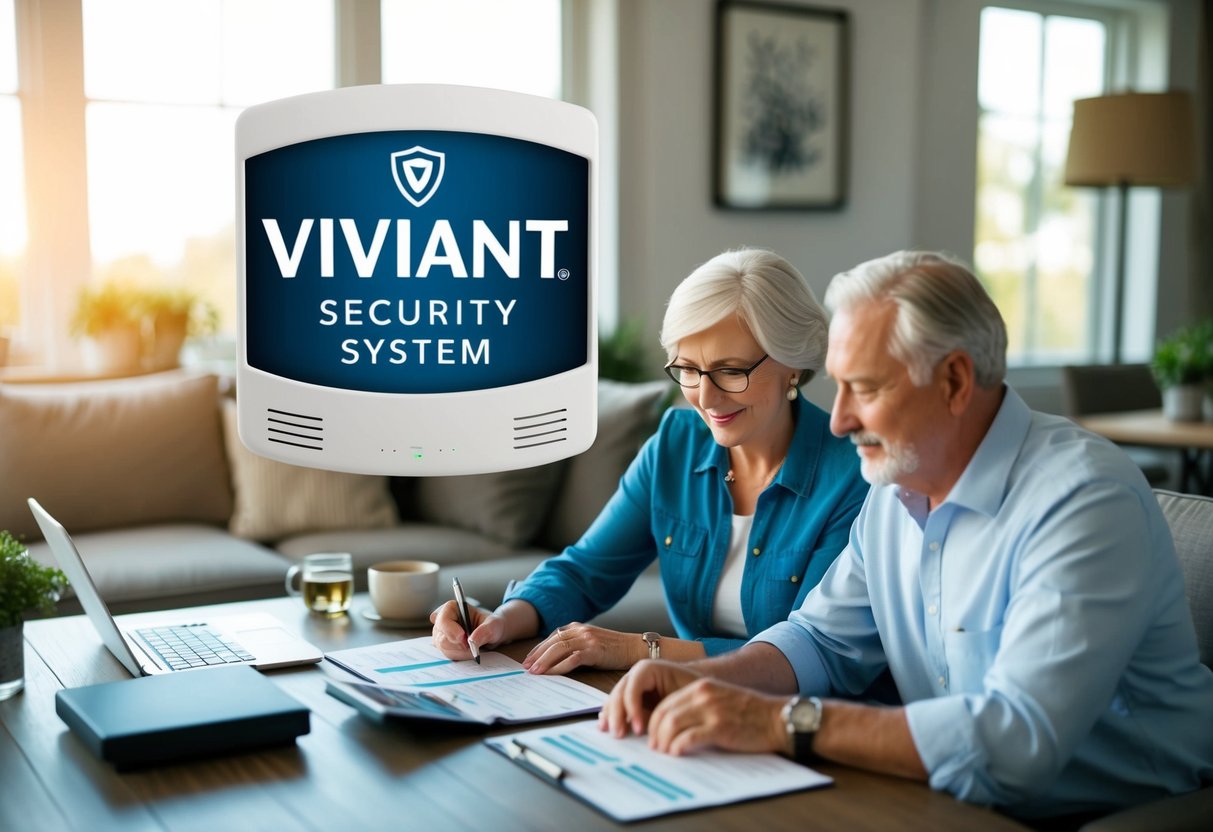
[1179, 367]
[25, 586]
[111, 317]
[1202, 342]
[173, 314]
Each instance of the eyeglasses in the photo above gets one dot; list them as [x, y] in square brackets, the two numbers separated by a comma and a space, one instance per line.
[728, 379]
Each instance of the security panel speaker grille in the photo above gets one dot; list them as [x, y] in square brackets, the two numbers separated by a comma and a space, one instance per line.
[417, 262]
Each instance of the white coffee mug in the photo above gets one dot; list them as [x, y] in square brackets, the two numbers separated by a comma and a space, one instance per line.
[403, 589]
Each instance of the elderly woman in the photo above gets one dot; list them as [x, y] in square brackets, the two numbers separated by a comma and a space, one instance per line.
[745, 498]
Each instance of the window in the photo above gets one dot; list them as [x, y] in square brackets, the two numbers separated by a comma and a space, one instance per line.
[1036, 239]
[12, 184]
[160, 162]
[126, 167]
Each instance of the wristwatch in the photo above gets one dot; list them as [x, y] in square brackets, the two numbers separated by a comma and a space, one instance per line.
[802, 719]
[653, 640]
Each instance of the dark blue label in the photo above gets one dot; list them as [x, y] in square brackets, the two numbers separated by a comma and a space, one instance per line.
[417, 261]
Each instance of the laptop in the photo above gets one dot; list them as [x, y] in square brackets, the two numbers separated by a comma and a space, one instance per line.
[171, 641]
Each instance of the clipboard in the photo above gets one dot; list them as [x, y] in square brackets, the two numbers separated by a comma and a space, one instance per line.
[627, 781]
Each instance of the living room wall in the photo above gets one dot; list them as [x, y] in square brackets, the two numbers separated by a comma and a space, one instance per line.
[912, 153]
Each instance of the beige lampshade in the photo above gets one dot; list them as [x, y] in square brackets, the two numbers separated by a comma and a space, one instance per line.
[1133, 138]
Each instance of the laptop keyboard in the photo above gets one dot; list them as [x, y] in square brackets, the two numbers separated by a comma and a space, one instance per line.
[184, 646]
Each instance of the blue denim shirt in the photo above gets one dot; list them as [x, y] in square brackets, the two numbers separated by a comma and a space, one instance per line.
[673, 505]
[1034, 622]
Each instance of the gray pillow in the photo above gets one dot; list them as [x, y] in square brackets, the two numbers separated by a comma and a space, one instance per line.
[627, 416]
[507, 506]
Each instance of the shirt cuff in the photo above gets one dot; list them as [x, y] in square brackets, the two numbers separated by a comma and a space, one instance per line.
[943, 732]
[798, 648]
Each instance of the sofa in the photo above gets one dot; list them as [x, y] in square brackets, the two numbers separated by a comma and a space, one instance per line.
[170, 510]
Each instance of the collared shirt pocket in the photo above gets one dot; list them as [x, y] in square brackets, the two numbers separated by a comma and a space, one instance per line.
[681, 547]
[970, 654]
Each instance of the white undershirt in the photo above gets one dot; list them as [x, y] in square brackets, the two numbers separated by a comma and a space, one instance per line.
[727, 616]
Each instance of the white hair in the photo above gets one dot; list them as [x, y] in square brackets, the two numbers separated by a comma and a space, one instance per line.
[941, 307]
[766, 293]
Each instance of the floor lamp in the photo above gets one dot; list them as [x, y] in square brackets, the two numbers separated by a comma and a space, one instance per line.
[1130, 140]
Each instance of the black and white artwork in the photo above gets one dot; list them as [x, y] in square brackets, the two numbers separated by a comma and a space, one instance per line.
[780, 106]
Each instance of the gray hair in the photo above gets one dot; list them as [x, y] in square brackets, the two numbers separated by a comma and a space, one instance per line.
[941, 307]
[765, 292]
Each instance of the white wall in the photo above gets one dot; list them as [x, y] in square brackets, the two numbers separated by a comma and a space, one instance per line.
[668, 224]
[912, 147]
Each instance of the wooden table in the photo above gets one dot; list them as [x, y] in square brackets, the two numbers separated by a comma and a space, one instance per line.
[351, 774]
[1193, 440]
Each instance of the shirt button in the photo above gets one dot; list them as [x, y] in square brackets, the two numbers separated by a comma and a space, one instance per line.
[795, 579]
[668, 540]
[934, 547]
[757, 551]
[931, 610]
[942, 682]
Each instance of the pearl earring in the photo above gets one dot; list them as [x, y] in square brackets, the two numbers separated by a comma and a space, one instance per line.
[792, 391]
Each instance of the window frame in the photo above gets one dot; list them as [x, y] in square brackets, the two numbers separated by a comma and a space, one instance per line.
[58, 259]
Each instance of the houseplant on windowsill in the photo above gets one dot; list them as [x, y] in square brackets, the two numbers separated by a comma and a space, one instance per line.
[25, 586]
[1179, 367]
[111, 317]
[172, 315]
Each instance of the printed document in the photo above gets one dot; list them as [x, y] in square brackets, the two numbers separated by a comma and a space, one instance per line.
[627, 780]
[411, 679]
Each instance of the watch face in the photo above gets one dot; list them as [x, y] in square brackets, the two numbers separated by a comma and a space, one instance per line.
[805, 717]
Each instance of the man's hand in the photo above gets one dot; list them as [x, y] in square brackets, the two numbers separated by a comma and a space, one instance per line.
[638, 692]
[583, 645]
[709, 713]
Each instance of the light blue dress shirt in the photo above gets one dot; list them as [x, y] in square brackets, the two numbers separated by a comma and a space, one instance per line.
[1034, 623]
[673, 505]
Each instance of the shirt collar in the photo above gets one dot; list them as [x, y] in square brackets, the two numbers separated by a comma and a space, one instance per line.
[799, 466]
[982, 486]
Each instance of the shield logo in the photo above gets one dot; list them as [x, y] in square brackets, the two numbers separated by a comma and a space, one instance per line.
[418, 172]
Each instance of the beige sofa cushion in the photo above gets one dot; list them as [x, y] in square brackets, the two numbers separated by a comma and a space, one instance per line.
[627, 415]
[274, 499]
[102, 455]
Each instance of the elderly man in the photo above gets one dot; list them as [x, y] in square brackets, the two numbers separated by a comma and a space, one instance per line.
[1012, 571]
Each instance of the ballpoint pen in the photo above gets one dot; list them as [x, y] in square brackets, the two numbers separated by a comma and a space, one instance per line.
[465, 620]
[537, 762]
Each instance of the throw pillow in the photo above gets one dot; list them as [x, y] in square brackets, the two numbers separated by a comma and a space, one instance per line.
[506, 506]
[627, 415]
[108, 454]
[275, 500]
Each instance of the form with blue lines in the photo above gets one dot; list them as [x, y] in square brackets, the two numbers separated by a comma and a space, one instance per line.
[496, 690]
[627, 780]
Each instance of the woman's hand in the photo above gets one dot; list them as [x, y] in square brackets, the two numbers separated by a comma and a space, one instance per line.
[582, 645]
[488, 630]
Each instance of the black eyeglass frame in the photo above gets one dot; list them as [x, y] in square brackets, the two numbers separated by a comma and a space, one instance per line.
[672, 370]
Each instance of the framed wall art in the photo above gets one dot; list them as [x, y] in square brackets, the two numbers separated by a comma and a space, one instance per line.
[781, 106]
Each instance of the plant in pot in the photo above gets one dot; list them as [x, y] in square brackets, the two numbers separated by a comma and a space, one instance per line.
[25, 586]
[173, 314]
[110, 316]
[1202, 342]
[1179, 367]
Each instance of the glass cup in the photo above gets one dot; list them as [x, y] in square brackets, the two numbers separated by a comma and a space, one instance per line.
[326, 583]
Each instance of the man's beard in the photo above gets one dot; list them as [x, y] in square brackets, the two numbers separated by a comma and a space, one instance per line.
[898, 460]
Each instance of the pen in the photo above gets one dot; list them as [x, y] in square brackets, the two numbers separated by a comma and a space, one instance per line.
[461, 603]
[535, 760]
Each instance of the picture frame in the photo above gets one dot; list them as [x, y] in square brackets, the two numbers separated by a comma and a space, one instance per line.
[781, 109]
